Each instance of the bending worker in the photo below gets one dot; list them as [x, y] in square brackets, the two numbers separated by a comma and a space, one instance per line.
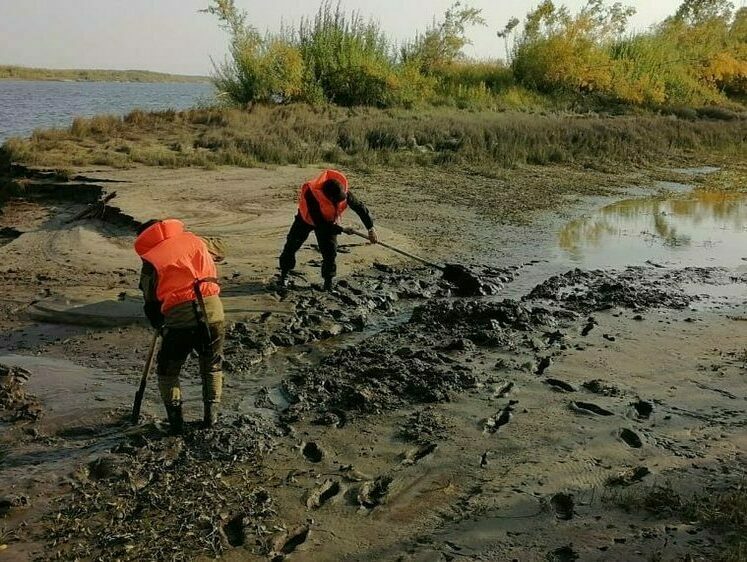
[180, 286]
[321, 203]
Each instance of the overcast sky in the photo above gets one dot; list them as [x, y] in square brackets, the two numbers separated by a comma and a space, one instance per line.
[171, 36]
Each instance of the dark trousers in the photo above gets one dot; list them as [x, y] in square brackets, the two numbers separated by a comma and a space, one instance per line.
[298, 234]
[176, 346]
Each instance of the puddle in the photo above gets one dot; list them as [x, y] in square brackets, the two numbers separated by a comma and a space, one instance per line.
[701, 228]
[66, 390]
[78, 419]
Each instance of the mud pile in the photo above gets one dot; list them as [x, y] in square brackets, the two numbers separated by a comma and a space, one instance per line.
[15, 403]
[472, 282]
[351, 307]
[636, 288]
[423, 361]
[154, 497]
[375, 378]
[431, 357]
[482, 317]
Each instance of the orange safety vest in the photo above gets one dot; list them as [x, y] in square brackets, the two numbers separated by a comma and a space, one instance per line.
[180, 259]
[330, 211]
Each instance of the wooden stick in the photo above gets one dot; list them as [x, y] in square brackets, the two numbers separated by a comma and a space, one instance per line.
[97, 206]
[144, 379]
[398, 250]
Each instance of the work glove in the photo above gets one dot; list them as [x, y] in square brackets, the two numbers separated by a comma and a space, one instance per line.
[154, 314]
[373, 236]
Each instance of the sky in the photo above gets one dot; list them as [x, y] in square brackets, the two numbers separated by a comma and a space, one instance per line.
[171, 36]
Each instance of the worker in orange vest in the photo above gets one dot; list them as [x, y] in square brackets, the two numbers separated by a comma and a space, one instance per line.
[321, 203]
[180, 286]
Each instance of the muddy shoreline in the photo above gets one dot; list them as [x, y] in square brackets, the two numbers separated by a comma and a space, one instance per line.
[393, 419]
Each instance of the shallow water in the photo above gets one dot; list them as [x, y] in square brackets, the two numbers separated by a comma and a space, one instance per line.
[29, 105]
[700, 228]
[78, 419]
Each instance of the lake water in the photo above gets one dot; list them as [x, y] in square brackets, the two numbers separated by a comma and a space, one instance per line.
[29, 105]
[699, 228]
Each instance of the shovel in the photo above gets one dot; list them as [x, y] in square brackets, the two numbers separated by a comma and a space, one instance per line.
[466, 281]
[398, 250]
[144, 379]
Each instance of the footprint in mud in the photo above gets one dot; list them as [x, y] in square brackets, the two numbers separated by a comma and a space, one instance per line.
[563, 505]
[322, 494]
[543, 365]
[504, 390]
[10, 503]
[501, 418]
[590, 408]
[372, 493]
[313, 452]
[562, 554]
[559, 386]
[589, 327]
[234, 531]
[643, 409]
[631, 438]
[289, 542]
[414, 455]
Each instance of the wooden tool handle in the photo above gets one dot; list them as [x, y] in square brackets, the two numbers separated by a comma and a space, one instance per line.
[395, 249]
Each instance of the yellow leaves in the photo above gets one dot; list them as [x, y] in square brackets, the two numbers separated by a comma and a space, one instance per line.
[284, 69]
[723, 68]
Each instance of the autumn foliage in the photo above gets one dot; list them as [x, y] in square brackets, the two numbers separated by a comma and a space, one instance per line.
[695, 58]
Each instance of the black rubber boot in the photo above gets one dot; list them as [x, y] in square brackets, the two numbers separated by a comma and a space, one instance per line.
[329, 284]
[176, 420]
[283, 281]
[211, 414]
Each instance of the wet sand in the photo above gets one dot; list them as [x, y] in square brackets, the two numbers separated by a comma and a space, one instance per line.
[391, 420]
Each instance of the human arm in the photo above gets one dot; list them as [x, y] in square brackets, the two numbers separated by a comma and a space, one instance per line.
[365, 215]
[148, 285]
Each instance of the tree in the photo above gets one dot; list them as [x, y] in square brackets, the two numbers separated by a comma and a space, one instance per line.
[442, 43]
[232, 20]
[506, 32]
[696, 12]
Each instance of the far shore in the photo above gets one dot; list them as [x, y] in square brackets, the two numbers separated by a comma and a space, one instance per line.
[20, 73]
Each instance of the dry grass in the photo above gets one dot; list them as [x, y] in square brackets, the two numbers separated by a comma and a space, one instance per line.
[725, 512]
[302, 134]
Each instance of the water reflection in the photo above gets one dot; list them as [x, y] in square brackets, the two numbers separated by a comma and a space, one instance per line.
[701, 228]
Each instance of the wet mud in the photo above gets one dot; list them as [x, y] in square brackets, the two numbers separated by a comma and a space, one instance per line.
[153, 495]
[410, 414]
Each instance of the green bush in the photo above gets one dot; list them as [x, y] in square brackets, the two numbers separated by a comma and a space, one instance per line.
[696, 57]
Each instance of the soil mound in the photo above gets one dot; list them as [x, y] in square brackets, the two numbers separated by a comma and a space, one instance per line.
[635, 288]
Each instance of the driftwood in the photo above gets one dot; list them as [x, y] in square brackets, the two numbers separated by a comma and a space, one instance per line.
[94, 209]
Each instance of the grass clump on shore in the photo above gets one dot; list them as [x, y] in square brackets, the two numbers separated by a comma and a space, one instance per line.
[86, 75]
[303, 134]
[724, 512]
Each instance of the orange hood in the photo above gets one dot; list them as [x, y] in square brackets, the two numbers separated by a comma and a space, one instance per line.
[154, 235]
